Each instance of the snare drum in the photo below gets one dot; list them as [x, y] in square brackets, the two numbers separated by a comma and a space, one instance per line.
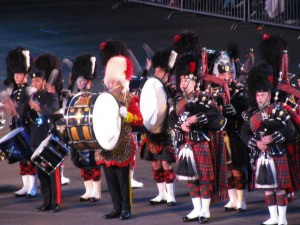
[16, 145]
[50, 154]
[154, 104]
[85, 159]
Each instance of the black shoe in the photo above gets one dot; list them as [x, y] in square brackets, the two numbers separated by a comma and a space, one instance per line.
[30, 196]
[203, 219]
[94, 199]
[229, 209]
[185, 219]
[241, 210]
[112, 214]
[20, 196]
[171, 203]
[55, 209]
[42, 208]
[81, 199]
[157, 203]
[125, 215]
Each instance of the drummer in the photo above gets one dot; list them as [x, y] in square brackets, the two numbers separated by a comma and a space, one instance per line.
[158, 148]
[42, 105]
[84, 71]
[18, 66]
[52, 68]
[116, 162]
[108, 49]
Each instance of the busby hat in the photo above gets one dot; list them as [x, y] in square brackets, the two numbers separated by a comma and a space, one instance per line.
[110, 48]
[258, 81]
[18, 60]
[164, 59]
[119, 68]
[84, 65]
[186, 41]
[187, 66]
[37, 73]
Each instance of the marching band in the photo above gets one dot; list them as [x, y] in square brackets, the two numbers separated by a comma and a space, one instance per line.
[198, 115]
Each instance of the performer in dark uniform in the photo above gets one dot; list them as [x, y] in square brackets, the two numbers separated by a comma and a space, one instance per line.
[158, 148]
[108, 49]
[232, 101]
[193, 118]
[84, 71]
[18, 64]
[43, 104]
[116, 162]
[51, 66]
[266, 130]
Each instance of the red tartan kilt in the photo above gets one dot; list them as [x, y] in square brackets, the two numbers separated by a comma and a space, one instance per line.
[203, 161]
[282, 172]
[89, 174]
[27, 168]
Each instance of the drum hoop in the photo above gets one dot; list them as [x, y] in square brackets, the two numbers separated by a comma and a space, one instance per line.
[122, 122]
[166, 93]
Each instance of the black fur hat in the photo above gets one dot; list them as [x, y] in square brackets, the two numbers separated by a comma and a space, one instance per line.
[84, 65]
[259, 80]
[110, 48]
[50, 65]
[164, 58]
[187, 65]
[18, 60]
[186, 41]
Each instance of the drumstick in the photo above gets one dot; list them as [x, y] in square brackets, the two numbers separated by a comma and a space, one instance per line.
[136, 64]
[148, 51]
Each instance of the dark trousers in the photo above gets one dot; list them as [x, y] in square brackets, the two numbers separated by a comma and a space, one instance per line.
[50, 186]
[118, 184]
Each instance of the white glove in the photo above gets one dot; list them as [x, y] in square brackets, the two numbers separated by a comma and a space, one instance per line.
[123, 111]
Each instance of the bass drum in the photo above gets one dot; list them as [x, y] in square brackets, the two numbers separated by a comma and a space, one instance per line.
[85, 159]
[78, 117]
[154, 104]
[16, 145]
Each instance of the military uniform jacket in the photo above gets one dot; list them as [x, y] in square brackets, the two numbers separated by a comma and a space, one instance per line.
[42, 122]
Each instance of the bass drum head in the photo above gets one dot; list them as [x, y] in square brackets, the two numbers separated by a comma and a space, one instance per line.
[106, 121]
[154, 105]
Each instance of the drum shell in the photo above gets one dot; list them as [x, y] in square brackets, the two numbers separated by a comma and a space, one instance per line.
[50, 154]
[79, 121]
[17, 147]
[85, 159]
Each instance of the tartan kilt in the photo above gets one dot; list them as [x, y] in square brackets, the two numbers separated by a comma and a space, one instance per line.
[282, 172]
[203, 161]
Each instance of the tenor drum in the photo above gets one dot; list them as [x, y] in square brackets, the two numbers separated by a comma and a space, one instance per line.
[50, 154]
[85, 159]
[154, 104]
[16, 145]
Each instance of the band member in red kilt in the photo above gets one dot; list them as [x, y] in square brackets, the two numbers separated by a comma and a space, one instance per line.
[108, 49]
[43, 104]
[84, 71]
[158, 147]
[193, 118]
[18, 63]
[266, 130]
[233, 102]
[118, 73]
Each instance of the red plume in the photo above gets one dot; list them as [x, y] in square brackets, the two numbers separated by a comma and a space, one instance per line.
[266, 36]
[177, 37]
[192, 67]
[102, 45]
[129, 69]
[271, 79]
